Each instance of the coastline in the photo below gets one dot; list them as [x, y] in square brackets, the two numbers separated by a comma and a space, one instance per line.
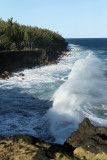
[14, 60]
[88, 143]
[85, 143]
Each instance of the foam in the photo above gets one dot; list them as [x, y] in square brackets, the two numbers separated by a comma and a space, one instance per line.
[81, 93]
[85, 89]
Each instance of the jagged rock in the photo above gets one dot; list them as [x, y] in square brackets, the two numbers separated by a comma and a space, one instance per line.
[16, 75]
[21, 74]
[5, 75]
[89, 138]
[87, 143]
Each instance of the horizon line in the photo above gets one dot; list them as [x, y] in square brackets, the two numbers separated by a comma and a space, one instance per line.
[88, 38]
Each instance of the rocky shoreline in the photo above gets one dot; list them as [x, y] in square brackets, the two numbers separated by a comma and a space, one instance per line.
[14, 60]
[87, 143]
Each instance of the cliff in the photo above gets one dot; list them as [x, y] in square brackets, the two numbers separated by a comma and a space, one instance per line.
[13, 60]
[87, 143]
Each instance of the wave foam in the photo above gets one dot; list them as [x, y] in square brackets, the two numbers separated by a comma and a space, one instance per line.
[78, 97]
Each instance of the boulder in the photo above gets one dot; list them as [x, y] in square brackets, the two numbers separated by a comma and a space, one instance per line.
[21, 74]
[5, 75]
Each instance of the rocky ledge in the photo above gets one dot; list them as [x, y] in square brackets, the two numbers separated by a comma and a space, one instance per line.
[14, 60]
[88, 143]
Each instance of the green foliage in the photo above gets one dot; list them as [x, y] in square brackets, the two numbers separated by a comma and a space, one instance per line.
[14, 36]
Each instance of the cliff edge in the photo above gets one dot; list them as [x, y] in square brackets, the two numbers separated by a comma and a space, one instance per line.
[14, 60]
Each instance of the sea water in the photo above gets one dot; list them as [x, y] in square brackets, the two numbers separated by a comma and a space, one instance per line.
[50, 101]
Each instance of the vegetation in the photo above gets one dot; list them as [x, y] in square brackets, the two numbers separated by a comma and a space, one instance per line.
[14, 36]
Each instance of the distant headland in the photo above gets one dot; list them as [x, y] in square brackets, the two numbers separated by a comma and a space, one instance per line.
[25, 46]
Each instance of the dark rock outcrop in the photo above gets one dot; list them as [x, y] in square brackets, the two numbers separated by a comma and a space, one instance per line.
[87, 143]
[13, 60]
[23, 147]
[89, 137]
[6, 75]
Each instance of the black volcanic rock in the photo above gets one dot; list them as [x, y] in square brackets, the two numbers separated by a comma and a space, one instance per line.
[23, 147]
[14, 60]
[89, 137]
[87, 143]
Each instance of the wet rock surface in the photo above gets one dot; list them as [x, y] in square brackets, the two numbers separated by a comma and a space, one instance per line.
[6, 75]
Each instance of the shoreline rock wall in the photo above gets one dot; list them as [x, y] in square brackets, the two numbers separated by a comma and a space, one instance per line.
[13, 60]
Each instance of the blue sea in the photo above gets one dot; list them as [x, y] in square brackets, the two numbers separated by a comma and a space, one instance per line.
[50, 101]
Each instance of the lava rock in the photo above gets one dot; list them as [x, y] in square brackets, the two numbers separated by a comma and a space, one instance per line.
[89, 137]
[5, 75]
[24, 147]
[21, 74]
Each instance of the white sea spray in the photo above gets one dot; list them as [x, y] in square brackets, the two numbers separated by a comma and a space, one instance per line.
[80, 96]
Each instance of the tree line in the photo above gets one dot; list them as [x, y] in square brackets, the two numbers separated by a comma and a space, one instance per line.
[14, 36]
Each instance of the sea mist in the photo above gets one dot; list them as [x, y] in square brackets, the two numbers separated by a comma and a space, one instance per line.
[82, 95]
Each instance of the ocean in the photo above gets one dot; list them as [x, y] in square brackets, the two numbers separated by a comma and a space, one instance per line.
[50, 101]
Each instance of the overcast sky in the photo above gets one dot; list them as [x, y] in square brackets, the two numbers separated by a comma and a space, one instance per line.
[71, 18]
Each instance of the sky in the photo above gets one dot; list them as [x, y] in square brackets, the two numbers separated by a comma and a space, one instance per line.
[70, 18]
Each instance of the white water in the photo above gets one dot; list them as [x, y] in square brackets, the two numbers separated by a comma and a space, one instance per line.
[24, 101]
[76, 86]
[84, 94]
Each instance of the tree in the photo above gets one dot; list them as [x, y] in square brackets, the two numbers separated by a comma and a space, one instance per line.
[14, 36]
